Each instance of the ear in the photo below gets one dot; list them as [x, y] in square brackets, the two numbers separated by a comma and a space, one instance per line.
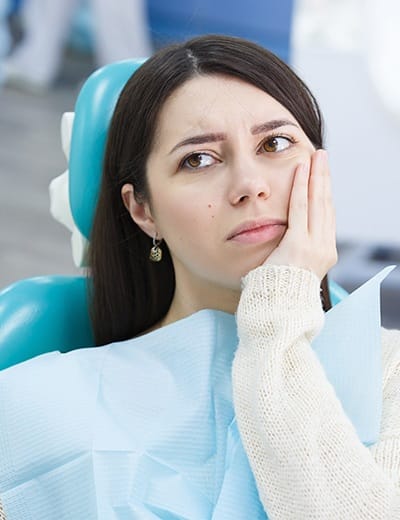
[139, 211]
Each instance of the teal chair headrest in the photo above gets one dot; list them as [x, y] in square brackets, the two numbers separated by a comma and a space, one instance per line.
[93, 111]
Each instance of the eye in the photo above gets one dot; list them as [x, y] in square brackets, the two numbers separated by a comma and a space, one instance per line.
[197, 161]
[276, 143]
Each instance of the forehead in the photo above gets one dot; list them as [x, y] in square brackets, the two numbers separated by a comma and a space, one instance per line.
[215, 102]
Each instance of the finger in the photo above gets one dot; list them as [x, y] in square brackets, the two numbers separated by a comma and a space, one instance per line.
[298, 204]
[318, 192]
[331, 214]
[328, 186]
[328, 196]
[322, 219]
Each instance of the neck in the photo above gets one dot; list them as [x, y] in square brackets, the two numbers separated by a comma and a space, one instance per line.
[198, 295]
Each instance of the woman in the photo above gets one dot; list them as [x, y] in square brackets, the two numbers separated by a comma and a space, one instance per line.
[215, 197]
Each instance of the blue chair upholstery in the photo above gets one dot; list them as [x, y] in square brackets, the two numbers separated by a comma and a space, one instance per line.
[44, 314]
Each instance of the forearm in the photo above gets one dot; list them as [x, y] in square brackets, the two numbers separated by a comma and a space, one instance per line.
[305, 454]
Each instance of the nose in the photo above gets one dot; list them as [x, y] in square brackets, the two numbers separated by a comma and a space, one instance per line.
[248, 182]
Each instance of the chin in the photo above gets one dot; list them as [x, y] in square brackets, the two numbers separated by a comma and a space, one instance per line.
[254, 262]
[237, 282]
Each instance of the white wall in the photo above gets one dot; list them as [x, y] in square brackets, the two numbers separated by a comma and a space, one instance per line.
[347, 51]
[363, 140]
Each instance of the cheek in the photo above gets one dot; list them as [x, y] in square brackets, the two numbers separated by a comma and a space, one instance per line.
[284, 173]
[185, 217]
[283, 176]
[287, 166]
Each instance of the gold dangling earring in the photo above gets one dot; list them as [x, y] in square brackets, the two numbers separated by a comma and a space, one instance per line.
[155, 251]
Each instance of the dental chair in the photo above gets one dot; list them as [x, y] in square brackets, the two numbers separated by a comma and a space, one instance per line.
[48, 313]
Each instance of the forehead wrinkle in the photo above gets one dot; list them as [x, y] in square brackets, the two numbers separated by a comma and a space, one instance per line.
[202, 123]
[199, 124]
[236, 98]
[256, 117]
[205, 125]
[228, 86]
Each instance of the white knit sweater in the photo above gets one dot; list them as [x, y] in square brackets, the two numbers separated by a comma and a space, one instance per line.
[304, 452]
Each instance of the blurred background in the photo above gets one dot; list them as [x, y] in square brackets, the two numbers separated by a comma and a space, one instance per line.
[345, 50]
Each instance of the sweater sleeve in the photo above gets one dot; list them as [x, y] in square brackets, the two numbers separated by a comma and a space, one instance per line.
[2, 514]
[303, 450]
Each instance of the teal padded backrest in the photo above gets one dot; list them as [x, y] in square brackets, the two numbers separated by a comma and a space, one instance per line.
[93, 111]
[336, 292]
[43, 314]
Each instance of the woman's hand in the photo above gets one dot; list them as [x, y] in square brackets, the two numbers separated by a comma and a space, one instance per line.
[309, 241]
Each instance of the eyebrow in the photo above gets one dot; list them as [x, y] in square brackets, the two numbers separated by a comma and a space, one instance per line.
[216, 137]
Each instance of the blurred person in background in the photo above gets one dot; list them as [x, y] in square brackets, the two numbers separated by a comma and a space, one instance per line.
[119, 32]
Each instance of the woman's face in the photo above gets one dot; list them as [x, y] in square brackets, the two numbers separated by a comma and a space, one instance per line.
[220, 175]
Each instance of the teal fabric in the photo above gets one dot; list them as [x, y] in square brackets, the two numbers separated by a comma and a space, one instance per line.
[336, 292]
[146, 428]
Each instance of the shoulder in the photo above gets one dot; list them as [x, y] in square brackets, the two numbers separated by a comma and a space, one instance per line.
[53, 363]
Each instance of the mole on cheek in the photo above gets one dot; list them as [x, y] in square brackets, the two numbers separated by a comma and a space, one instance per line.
[209, 205]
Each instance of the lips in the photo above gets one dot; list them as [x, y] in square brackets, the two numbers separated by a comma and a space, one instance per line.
[254, 225]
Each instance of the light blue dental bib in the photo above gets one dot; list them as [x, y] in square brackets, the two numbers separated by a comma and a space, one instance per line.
[145, 429]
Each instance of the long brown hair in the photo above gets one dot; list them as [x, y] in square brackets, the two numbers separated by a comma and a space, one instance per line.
[130, 293]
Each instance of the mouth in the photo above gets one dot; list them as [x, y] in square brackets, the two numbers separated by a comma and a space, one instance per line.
[257, 231]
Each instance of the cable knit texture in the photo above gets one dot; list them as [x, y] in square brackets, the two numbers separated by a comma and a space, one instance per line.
[304, 452]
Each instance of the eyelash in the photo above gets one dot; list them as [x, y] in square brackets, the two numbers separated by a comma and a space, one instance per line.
[270, 137]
